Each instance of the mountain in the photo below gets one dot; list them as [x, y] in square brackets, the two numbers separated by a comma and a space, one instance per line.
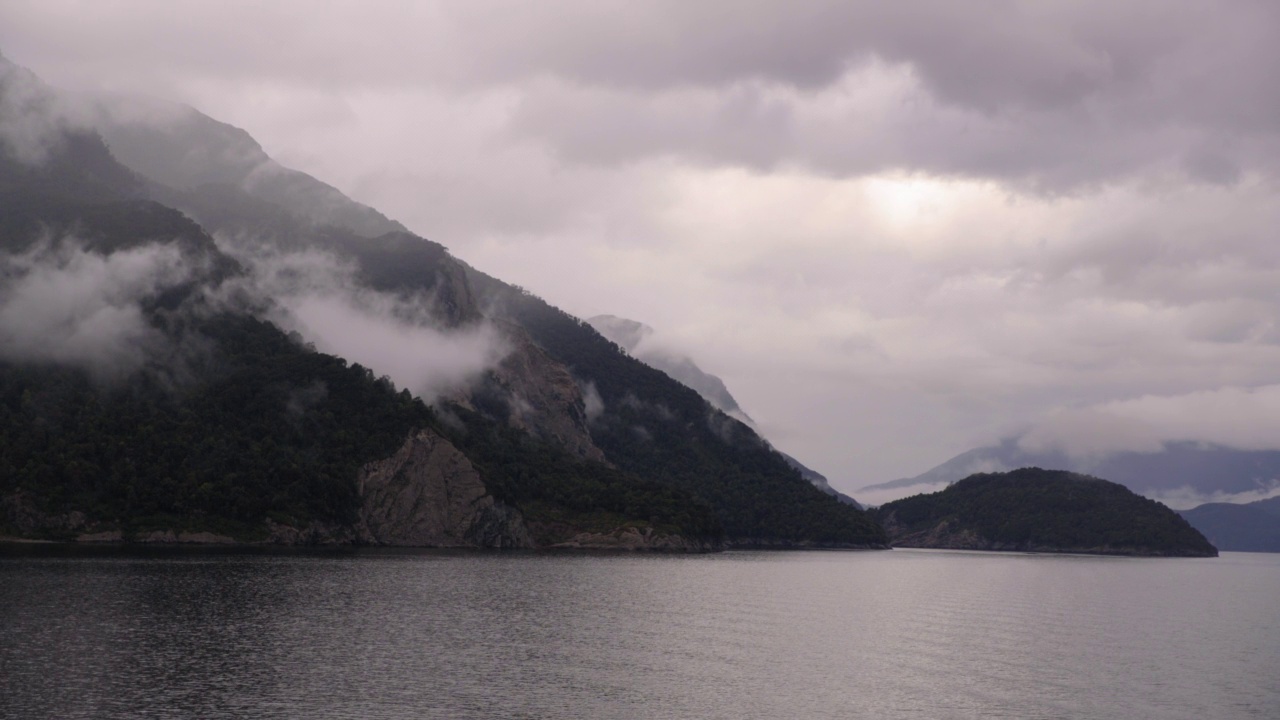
[1247, 527]
[1034, 510]
[169, 398]
[1205, 469]
[631, 336]
[164, 409]
[181, 148]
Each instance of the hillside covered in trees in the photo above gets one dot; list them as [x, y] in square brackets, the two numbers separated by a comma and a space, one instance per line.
[1037, 510]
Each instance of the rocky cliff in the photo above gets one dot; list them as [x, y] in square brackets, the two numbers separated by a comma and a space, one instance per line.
[541, 396]
[429, 495]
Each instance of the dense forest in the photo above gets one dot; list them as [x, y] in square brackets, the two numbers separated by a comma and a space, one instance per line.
[1041, 510]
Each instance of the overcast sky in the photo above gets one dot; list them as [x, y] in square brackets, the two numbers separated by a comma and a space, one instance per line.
[896, 230]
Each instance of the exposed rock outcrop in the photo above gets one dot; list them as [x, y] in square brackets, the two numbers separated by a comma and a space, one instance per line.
[541, 396]
[430, 495]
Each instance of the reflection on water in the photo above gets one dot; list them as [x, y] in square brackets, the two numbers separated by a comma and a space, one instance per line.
[370, 634]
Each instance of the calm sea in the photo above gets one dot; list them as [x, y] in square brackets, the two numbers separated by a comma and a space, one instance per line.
[900, 634]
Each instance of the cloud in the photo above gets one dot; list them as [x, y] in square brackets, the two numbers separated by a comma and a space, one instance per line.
[1185, 497]
[61, 303]
[427, 361]
[33, 120]
[1053, 94]
[1241, 417]
[316, 295]
[1090, 434]
[1244, 418]
[593, 403]
[879, 496]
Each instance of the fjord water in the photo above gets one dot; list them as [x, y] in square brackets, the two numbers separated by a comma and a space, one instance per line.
[898, 634]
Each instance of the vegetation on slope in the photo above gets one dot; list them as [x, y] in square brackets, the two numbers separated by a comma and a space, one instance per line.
[1041, 510]
[271, 430]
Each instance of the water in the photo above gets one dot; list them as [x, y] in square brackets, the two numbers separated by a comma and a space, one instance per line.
[901, 634]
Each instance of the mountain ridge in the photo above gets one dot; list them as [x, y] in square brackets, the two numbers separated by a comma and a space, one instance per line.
[631, 335]
[1239, 527]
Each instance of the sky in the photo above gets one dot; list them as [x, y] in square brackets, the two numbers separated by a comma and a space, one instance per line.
[897, 231]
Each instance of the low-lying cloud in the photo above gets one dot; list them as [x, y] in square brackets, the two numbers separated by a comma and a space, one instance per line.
[33, 120]
[875, 497]
[1187, 497]
[315, 294]
[1244, 418]
[61, 303]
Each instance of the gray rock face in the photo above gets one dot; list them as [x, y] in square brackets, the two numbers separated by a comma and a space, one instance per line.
[429, 495]
[543, 397]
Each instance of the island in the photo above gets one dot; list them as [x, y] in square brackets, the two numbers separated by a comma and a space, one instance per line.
[1036, 510]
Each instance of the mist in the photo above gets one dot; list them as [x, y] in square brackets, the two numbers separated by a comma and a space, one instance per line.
[1243, 418]
[1186, 497]
[33, 120]
[316, 295]
[63, 304]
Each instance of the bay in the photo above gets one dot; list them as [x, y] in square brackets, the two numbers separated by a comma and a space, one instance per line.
[200, 633]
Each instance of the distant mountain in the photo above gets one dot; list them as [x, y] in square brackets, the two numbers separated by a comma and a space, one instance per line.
[1183, 467]
[1248, 527]
[631, 335]
[1034, 510]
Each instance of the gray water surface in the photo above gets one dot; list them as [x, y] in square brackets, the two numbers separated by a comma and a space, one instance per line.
[899, 634]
